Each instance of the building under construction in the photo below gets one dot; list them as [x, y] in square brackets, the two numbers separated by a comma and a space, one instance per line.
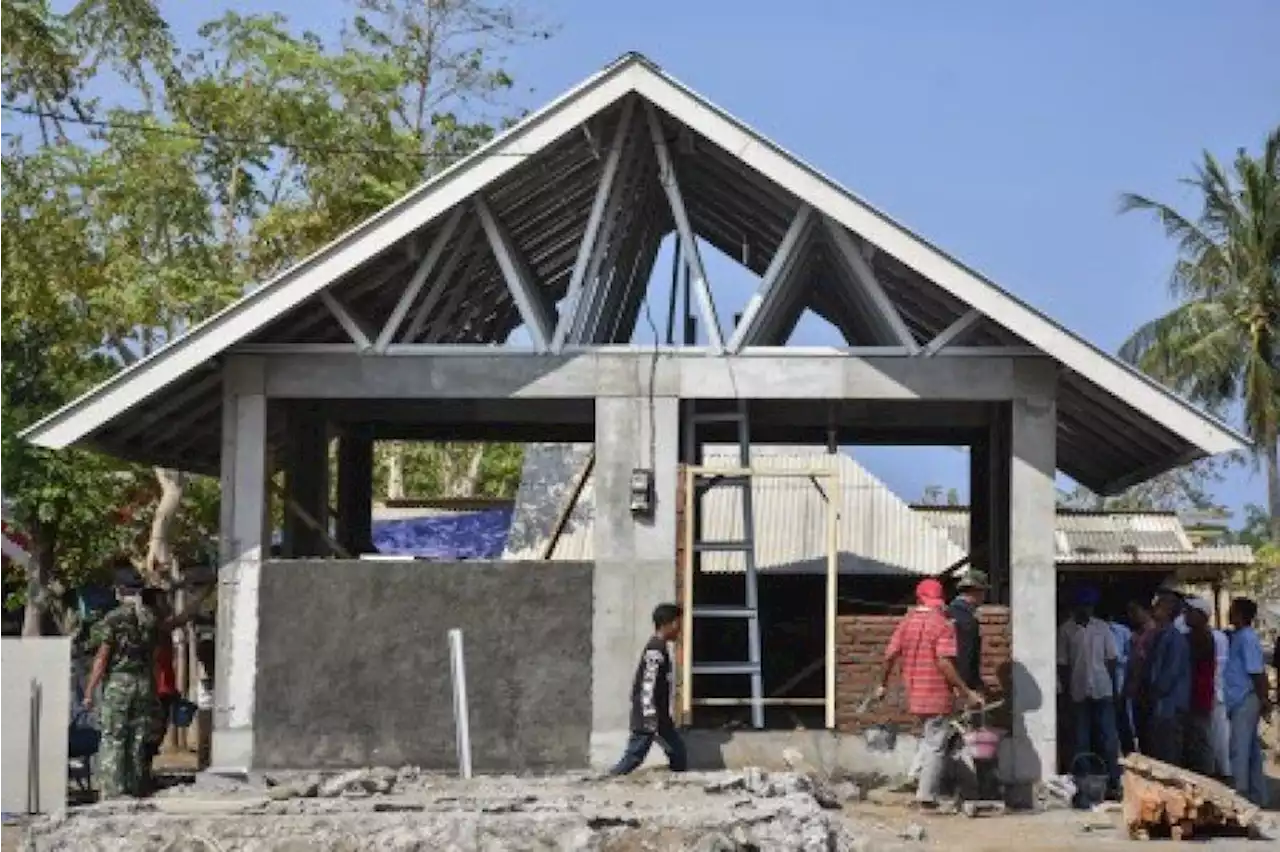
[498, 302]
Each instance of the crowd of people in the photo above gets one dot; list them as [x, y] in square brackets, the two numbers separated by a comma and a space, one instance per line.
[1160, 680]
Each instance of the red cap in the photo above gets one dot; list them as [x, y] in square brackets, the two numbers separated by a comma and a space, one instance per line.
[929, 593]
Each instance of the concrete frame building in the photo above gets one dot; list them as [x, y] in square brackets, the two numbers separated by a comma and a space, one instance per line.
[397, 330]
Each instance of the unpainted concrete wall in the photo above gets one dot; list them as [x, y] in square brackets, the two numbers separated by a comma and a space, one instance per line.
[353, 664]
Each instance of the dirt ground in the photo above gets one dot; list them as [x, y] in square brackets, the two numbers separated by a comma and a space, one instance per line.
[407, 810]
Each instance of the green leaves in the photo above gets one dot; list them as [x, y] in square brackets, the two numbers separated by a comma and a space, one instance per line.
[1221, 345]
[162, 180]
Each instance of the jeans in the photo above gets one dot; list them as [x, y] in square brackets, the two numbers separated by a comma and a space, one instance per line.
[1246, 750]
[641, 741]
[933, 758]
[1220, 737]
[1095, 732]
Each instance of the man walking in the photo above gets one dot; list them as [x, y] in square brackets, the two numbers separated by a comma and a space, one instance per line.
[1087, 665]
[925, 642]
[1245, 690]
[651, 698]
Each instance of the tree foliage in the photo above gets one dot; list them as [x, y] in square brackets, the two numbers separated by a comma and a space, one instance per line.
[1187, 488]
[1221, 344]
[149, 182]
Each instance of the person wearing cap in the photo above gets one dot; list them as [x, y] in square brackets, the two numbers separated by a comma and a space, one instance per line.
[1087, 666]
[1168, 682]
[126, 642]
[925, 643]
[963, 612]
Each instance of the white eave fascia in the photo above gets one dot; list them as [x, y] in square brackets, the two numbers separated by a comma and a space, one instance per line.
[248, 314]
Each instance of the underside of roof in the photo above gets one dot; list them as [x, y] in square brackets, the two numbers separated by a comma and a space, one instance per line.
[556, 226]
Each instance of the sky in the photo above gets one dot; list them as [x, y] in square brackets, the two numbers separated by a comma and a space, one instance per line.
[1001, 130]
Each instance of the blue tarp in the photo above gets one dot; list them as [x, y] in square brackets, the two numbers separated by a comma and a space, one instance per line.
[474, 535]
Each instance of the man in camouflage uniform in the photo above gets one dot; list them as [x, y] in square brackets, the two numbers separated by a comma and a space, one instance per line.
[126, 640]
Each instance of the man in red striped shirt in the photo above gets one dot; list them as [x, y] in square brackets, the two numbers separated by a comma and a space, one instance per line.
[925, 642]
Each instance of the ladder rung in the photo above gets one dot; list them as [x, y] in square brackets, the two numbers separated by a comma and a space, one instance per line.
[719, 417]
[726, 668]
[723, 546]
[723, 612]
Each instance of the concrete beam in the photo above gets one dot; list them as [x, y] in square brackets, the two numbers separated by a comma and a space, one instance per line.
[1033, 594]
[242, 539]
[498, 376]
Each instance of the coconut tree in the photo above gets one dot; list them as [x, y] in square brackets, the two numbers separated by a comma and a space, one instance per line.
[1220, 345]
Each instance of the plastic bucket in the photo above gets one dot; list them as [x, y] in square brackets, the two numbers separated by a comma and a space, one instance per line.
[184, 713]
[1091, 786]
[983, 743]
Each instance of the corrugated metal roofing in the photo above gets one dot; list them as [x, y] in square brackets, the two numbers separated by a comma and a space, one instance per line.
[878, 532]
[1097, 538]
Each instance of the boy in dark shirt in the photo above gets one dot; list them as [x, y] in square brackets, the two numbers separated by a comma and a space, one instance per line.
[651, 698]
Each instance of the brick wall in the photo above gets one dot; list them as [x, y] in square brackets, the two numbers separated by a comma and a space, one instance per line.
[860, 644]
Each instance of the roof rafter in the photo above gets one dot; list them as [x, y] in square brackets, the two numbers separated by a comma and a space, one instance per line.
[691, 254]
[530, 299]
[353, 327]
[418, 279]
[594, 220]
[864, 277]
[765, 302]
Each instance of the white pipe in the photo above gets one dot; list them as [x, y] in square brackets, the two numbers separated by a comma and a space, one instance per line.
[462, 726]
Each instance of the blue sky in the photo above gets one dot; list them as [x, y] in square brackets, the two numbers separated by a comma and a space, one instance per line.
[1002, 131]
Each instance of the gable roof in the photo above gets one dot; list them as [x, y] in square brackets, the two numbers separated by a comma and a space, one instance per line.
[1152, 428]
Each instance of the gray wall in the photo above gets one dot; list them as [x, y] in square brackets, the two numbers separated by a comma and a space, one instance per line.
[353, 663]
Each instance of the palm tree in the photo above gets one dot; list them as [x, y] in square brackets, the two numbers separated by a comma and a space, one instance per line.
[1221, 345]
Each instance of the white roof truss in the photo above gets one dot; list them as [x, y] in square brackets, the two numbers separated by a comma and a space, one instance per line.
[419, 273]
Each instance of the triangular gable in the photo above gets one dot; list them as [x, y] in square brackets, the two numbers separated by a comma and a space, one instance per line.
[432, 203]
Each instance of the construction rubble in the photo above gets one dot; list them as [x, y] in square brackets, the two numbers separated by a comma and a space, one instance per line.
[384, 809]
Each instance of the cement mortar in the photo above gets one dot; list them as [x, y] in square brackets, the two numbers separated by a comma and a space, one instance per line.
[290, 813]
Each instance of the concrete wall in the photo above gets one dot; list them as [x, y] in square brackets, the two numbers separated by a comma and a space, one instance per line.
[353, 663]
[45, 662]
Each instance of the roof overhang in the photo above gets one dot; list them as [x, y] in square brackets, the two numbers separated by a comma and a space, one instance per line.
[539, 180]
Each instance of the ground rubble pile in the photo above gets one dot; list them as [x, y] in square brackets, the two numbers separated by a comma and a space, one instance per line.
[384, 809]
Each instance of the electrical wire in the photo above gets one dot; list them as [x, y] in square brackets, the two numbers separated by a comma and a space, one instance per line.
[181, 133]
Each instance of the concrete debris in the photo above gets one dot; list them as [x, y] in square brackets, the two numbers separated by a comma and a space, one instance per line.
[386, 810]
[912, 831]
[358, 782]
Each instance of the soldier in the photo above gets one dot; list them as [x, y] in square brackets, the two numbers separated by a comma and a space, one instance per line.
[127, 639]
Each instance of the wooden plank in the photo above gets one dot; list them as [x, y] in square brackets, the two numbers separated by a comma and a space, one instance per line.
[1160, 797]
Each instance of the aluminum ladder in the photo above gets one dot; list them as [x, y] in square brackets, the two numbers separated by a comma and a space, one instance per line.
[750, 609]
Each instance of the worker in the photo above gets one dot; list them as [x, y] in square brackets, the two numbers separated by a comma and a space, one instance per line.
[1246, 691]
[925, 642]
[963, 612]
[651, 698]
[166, 691]
[1198, 736]
[1168, 681]
[1087, 667]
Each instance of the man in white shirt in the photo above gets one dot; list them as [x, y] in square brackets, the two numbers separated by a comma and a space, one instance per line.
[1087, 668]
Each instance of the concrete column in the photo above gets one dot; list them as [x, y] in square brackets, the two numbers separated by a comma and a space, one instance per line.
[355, 488]
[634, 557]
[306, 478]
[242, 541]
[1032, 463]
